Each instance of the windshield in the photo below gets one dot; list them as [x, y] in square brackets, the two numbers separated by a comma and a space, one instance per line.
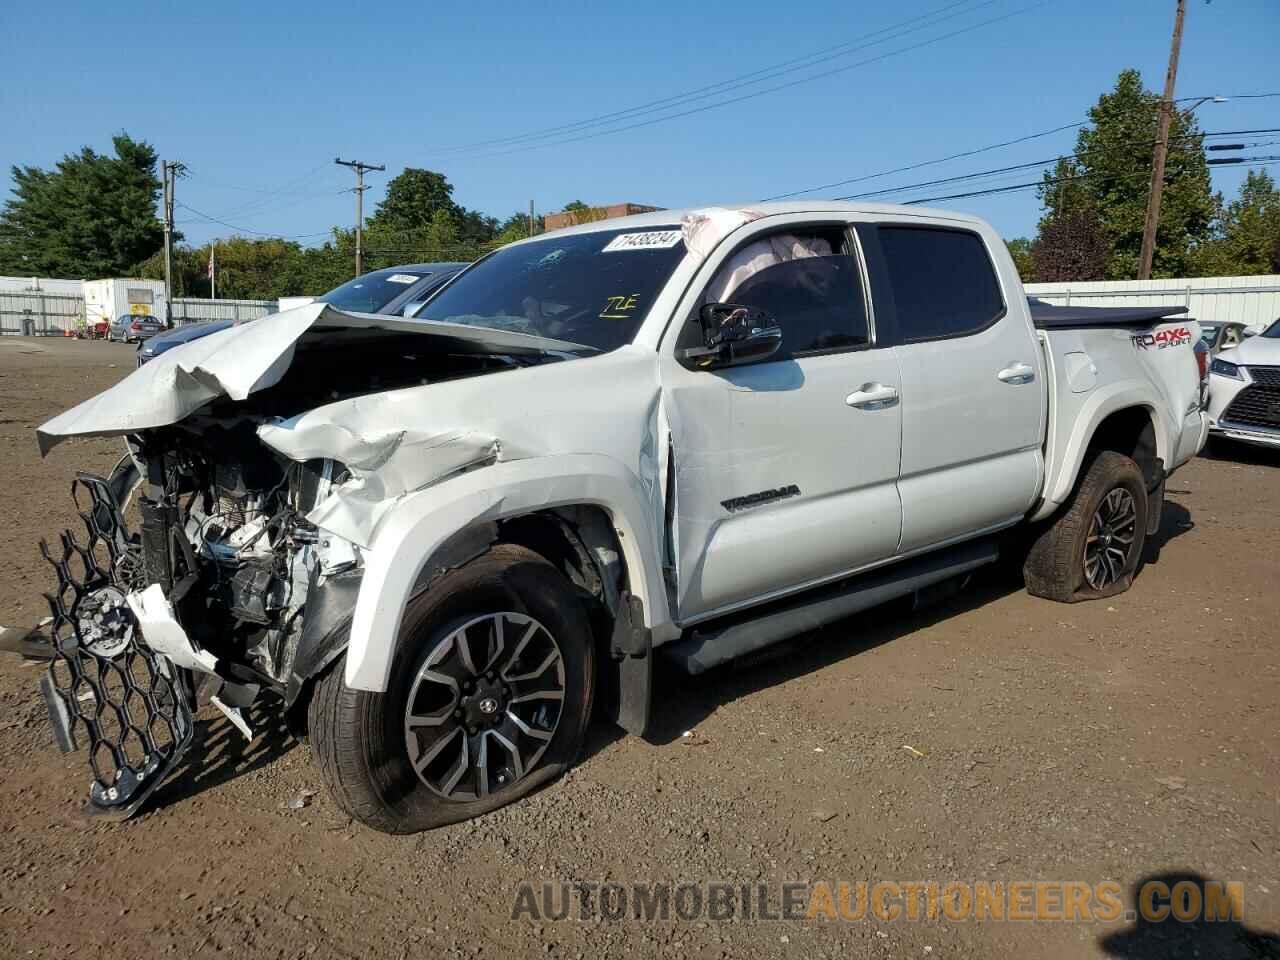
[1272, 332]
[1209, 332]
[592, 288]
[372, 291]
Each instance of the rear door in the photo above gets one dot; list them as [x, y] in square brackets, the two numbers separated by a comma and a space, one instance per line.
[785, 470]
[972, 390]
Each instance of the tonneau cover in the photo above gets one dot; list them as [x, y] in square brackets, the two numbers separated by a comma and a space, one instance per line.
[1047, 316]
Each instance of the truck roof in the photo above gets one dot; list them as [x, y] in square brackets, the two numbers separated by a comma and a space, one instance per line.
[661, 218]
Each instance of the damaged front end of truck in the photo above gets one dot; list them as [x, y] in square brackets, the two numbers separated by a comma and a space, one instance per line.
[222, 558]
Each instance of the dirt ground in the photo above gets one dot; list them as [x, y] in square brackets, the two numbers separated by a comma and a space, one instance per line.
[1118, 740]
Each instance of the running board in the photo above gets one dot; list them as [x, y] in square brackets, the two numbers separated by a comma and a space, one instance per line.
[719, 641]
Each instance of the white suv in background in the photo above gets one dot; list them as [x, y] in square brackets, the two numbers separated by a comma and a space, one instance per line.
[1244, 390]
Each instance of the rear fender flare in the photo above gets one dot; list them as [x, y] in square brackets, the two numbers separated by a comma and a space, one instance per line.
[1100, 404]
[412, 533]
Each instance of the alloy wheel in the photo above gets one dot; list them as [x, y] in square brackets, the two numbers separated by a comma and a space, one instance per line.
[485, 705]
[1110, 540]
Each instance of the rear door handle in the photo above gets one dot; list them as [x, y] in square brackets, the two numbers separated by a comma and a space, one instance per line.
[1017, 373]
[873, 396]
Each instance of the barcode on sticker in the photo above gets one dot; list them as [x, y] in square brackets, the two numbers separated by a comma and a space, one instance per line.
[649, 240]
[402, 278]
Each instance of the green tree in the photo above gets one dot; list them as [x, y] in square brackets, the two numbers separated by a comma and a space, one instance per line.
[1020, 251]
[516, 227]
[94, 215]
[1111, 173]
[413, 198]
[1248, 232]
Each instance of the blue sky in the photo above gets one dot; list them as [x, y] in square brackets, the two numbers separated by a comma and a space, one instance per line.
[257, 99]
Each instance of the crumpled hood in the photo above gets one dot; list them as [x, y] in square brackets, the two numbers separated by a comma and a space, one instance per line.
[244, 359]
[399, 441]
[1256, 350]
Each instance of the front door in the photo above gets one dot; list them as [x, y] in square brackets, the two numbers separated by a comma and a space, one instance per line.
[785, 470]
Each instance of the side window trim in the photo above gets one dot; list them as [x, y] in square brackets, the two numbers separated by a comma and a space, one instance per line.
[939, 228]
[879, 291]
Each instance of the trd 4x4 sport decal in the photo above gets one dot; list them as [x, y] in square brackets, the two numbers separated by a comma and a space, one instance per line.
[1162, 338]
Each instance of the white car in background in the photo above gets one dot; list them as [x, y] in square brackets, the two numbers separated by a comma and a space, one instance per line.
[1244, 390]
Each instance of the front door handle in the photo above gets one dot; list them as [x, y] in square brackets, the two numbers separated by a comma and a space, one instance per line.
[873, 396]
[1017, 373]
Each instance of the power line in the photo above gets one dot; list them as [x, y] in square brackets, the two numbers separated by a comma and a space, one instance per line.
[761, 75]
[986, 149]
[258, 203]
[259, 233]
[1050, 182]
[774, 89]
[928, 163]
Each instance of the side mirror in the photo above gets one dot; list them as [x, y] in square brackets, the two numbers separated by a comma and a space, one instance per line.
[1248, 332]
[412, 307]
[733, 335]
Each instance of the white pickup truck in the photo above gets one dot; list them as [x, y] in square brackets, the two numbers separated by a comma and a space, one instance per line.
[436, 542]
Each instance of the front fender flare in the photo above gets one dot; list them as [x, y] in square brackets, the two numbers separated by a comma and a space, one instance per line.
[420, 523]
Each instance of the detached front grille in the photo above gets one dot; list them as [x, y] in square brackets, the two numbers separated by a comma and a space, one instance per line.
[1257, 405]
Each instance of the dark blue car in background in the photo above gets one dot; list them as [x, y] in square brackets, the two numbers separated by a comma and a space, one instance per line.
[397, 291]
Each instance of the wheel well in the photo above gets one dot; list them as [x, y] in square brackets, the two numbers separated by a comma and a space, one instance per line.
[580, 541]
[1132, 432]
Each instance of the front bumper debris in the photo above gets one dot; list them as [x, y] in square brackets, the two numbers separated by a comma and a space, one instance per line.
[130, 703]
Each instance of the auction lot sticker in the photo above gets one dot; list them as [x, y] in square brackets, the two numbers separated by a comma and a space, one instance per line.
[650, 240]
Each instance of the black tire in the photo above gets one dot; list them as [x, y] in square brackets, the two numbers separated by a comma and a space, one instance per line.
[360, 739]
[1055, 567]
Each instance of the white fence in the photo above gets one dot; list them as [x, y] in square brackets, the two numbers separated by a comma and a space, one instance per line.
[193, 310]
[1254, 301]
[40, 314]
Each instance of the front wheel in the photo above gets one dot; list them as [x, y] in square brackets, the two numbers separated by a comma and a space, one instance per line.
[489, 697]
[1093, 547]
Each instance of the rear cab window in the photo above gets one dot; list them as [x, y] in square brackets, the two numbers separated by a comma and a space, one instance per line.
[942, 281]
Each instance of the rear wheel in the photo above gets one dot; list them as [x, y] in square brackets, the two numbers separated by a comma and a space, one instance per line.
[489, 697]
[1093, 547]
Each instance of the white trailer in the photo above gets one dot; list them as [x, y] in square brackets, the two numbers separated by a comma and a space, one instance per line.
[108, 300]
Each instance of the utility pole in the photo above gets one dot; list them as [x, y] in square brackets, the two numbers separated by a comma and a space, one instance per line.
[360, 188]
[170, 170]
[531, 218]
[1162, 150]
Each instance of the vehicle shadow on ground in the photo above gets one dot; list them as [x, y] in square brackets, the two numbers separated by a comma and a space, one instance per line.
[1170, 938]
[1175, 520]
[681, 702]
[219, 752]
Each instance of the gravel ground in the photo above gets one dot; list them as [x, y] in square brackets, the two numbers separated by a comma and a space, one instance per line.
[1117, 740]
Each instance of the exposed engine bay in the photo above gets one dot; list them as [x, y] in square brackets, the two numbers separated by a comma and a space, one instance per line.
[224, 534]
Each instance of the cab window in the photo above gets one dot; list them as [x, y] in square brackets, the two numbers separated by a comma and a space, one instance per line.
[808, 281]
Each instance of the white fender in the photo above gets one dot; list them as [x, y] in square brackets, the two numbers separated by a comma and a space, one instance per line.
[1096, 407]
[420, 523]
